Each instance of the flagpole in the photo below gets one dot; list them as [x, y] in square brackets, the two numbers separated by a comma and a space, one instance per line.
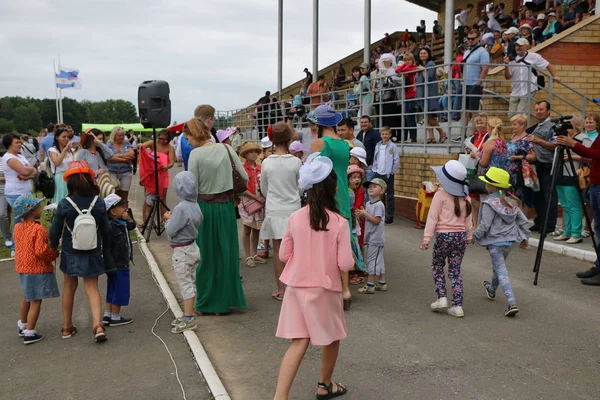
[55, 91]
[60, 97]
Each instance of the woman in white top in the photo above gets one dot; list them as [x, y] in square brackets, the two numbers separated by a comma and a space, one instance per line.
[18, 172]
[279, 182]
[61, 154]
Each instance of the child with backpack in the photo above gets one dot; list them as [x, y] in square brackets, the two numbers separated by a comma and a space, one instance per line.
[82, 224]
[33, 263]
[501, 224]
[182, 226]
[449, 219]
[316, 249]
[117, 253]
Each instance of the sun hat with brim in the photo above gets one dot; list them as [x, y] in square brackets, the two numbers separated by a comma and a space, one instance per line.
[496, 177]
[525, 26]
[296, 147]
[377, 181]
[248, 147]
[453, 178]
[551, 14]
[315, 170]
[355, 168]
[325, 115]
[360, 154]
[265, 142]
[113, 200]
[223, 135]
[24, 204]
[79, 167]
[512, 30]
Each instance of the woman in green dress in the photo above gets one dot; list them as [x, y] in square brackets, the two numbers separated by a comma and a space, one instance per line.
[218, 283]
[330, 145]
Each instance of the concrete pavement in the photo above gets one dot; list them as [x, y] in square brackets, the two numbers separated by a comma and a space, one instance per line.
[132, 364]
[398, 349]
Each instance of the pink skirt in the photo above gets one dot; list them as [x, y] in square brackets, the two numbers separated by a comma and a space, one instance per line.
[314, 313]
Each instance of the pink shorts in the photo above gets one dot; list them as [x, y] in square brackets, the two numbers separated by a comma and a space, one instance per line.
[314, 313]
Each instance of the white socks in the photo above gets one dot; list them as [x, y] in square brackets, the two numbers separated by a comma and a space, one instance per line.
[21, 325]
[107, 314]
[29, 332]
[115, 316]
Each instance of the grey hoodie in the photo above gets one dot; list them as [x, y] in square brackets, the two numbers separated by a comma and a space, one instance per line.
[499, 223]
[183, 226]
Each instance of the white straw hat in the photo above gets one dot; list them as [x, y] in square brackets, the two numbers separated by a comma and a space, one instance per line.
[452, 176]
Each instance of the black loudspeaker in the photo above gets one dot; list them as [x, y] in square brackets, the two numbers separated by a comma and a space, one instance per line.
[154, 104]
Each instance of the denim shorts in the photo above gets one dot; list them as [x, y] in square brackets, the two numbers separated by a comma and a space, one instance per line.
[124, 180]
[39, 286]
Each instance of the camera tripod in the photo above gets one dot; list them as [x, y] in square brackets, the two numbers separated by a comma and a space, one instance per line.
[153, 221]
[557, 167]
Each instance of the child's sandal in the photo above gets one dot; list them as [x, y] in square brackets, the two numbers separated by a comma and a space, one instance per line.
[259, 259]
[68, 333]
[341, 390]
[250, 262]
[277, 295]
[99, 337]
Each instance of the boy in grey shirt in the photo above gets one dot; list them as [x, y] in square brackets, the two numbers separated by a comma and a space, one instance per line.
[374, 215]
[182, 229]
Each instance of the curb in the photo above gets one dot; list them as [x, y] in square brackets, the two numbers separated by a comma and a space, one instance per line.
[211, 377]
[579, 254]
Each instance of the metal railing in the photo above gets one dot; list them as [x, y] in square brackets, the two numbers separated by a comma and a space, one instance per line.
[390, 102]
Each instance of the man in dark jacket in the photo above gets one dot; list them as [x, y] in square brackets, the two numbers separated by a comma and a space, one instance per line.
[369, 136]
[262, 113]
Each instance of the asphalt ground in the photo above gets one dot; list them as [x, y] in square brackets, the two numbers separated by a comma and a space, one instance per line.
[398, 349]
[132, 364]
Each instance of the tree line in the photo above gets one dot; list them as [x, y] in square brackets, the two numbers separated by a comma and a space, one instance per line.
[29, 115]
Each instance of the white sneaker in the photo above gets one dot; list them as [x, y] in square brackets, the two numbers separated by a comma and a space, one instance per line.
[8, 243]
[456, 312]
[574, 240]
[440, 305]
[12, 254]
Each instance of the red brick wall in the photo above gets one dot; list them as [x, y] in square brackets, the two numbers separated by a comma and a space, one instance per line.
[572, 53]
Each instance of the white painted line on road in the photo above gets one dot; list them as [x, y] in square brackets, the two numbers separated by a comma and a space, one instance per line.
[579, 254]
[213, 381]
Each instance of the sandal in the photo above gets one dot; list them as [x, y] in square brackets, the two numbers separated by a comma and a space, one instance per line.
[99, 337]
[68, 333]
[356, 280]
[431, 141]
[340, 391]
[264, 254]
[557, 232]
[259, 259]
[250, 262]
[277, 295]
[443, 139]
[585, 233]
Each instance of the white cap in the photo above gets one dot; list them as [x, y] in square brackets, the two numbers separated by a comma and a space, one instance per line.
[111, 200]
[265, 143]
[542, 16]
[512, 30]
[523, 42]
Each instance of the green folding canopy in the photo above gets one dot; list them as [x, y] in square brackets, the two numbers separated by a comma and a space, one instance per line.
[109, 127]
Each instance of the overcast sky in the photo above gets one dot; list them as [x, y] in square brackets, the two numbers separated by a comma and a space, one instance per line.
[221, 52]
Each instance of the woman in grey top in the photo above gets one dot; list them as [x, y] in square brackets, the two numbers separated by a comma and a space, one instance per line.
[94, 151]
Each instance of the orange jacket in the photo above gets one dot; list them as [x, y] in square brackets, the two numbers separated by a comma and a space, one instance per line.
[32, 254]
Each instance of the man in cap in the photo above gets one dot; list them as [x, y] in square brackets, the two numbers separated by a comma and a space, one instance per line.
[511, 34]
[524, 79]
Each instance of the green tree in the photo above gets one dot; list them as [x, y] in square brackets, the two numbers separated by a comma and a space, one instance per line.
[6, 126]
[27, 117]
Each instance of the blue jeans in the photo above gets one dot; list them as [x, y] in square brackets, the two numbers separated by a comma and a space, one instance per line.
[11, 198]
[456, 97]
[595, 204]
[500, 275]
[369, 175]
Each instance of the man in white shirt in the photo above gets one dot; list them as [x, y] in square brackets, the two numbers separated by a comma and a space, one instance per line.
[523, 79]
[493, 24]
[462, 19]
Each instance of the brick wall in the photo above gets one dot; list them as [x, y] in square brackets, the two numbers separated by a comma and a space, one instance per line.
[414, 169]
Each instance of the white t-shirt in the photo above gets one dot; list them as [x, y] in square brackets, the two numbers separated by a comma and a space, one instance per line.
[463, 17]
[520, 71]
[64, 166]
[13, 184]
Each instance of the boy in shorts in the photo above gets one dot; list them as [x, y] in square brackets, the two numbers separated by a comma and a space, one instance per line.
[182, 229]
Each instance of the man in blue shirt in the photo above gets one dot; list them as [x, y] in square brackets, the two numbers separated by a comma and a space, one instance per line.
[476, 68]
[47, 141]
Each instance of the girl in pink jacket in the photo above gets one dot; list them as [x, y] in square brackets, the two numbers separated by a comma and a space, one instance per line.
[316, 249]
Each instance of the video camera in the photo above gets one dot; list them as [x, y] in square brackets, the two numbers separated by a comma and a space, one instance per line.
[562, 125]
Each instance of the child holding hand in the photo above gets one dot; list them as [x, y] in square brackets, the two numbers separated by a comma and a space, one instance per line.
[33, 263]
[449, 219]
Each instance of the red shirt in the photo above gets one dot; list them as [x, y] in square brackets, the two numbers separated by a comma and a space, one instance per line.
[359, 202]
[253, 174]
[478, 138]
[592, 153]
[31, 248]
[456, 68]
[409, 71]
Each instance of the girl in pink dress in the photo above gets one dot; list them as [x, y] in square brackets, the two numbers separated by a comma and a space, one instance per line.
[316, 249]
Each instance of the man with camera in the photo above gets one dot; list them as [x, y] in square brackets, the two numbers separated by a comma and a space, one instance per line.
[541, 136]
[591, 276]
[523, 79]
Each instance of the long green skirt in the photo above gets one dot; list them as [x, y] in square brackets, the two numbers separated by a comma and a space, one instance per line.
[218, 275]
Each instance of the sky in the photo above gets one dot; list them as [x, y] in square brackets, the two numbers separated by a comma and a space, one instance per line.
[220, 52]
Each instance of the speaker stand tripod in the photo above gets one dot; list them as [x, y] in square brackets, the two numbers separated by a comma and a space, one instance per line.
[154, 219]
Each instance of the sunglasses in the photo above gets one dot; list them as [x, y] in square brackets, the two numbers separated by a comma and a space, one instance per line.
[61, 130]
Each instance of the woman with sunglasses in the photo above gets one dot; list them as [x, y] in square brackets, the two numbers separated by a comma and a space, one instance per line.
[119, 166]
[61, 154]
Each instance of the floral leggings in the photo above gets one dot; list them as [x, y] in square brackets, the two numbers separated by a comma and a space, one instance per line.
[500, 276]
[451, 246]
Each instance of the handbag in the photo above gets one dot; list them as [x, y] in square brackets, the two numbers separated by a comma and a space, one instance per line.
[239, 184]
[251, 206]
[105, 185]
[476, 185]
[583, 174]
[530, 178]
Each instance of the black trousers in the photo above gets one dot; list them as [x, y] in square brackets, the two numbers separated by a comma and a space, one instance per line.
[543, 197]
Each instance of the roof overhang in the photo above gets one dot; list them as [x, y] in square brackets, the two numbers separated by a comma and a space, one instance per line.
[432, 5]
